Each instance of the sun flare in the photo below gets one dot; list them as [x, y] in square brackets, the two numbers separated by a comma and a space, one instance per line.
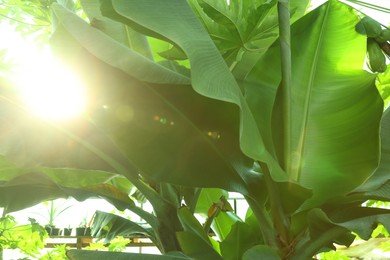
[49, 90]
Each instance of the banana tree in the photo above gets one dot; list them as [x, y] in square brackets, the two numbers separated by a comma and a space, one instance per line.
[295, 125]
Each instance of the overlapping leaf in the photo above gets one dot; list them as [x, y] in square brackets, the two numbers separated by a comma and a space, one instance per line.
[25, 187]
[170, 132]
[243, 30]
[381, 174]
[335, 131]
[109, 226]
[240, 239]
[336, 227]
[118, 31]
[194, 241]
[114, 53]
[209, 74]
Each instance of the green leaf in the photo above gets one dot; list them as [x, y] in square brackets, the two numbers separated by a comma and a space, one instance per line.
[242, 30]
[261, 252]
[169, 125]
[191, 224]
[380, 176]
[101, 255]
[43, 183]
[118, 31]
[31, 142]
[109, 226]
[240, 239]
[323, 123]
[76, 144]
[337, 225]
[223, 222]
[323, 233]
[207, 66]
[112, 52]
[195, 247]
[29, 189]
[361, 220]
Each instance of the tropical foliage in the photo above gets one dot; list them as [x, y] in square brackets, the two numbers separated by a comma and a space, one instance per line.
[256, 97]
[29, 238]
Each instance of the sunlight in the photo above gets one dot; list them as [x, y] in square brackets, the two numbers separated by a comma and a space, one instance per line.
[49, 90]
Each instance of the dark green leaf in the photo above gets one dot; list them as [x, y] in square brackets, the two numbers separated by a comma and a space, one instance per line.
[322, 123]
[195, 247]
[381, 175]
[261, 252]
[240, 239]
[191, 225]
[109, 226]
[207, 66]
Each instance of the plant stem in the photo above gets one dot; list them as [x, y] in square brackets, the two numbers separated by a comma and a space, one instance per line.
[210, 220]
[51, 213]
[194, 200]
[266, 227]
[285, 53]
[281, 221]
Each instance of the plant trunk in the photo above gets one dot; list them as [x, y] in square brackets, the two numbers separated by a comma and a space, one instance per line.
[169, 225]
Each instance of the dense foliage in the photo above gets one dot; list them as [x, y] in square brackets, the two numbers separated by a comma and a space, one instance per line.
[257, 97]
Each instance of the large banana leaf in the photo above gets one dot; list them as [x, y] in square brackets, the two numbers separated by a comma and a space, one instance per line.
[194, 241]
[335, 227]
[243, 30]
[381, 175]
[335, 108]
[169, 131]
[35, 146]
[25, 187]
[240, 239]
[108, 226]
[210, 75]
[28, 142]
[117, 54]
[118, 31]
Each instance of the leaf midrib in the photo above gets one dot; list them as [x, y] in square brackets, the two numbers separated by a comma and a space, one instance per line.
[302, 141]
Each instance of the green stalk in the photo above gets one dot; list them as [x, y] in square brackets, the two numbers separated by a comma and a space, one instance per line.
[281, 221]
[194, 200]
[51, 213]
[266, 227]
[285, 53]
[210, 220]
